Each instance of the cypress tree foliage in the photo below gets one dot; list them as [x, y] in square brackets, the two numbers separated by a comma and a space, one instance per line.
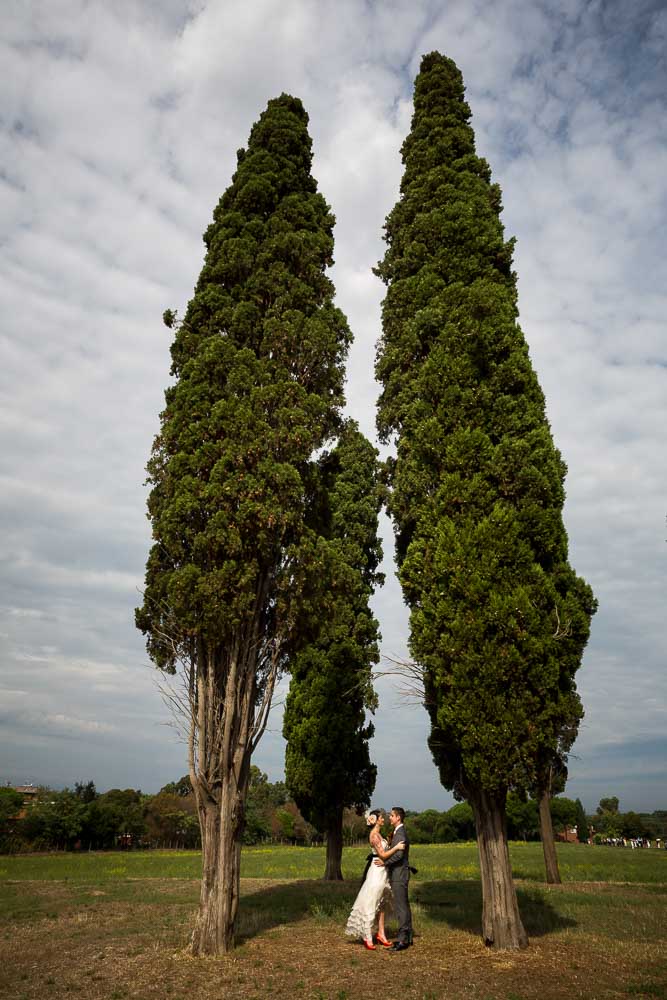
[327, 760]
[498, 620]
[233, 576]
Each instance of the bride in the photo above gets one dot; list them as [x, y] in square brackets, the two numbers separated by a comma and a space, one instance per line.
[369, 904]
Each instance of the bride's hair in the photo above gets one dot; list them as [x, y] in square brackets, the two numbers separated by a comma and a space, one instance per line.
[378, 813]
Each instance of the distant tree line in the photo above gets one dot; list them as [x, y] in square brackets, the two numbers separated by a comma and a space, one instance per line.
[83, 818]
[523, 821]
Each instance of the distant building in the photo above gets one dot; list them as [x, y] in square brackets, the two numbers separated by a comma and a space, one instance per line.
[29, 793]
[568, 836]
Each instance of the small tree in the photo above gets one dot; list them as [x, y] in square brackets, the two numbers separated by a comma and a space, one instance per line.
[11, 803]
[263, 799]
[258, 363]
[86, 792]
[182, 787]
[476, 486]
[608, 805]
[55, 820]
[581, 823]
[171, 819]
[115, 814]
[462, 819]
[327, 762]
[523, 820]
[608, 820]
[425, 823]
[563, 813]
[632, 825]
[354, 827]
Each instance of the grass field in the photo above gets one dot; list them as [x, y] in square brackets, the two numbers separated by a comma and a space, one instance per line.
[115, 926]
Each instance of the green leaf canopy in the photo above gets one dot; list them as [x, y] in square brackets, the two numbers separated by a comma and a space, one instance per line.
[258, 362]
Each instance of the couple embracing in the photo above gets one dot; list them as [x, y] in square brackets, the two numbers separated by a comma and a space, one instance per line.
[387, 877]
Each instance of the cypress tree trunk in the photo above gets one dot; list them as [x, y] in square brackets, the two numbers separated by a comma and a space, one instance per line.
[333, 871]
[221, 827]
[209, 824]
[206, 934]
[220, 782]
[547, 835]
[501, 922]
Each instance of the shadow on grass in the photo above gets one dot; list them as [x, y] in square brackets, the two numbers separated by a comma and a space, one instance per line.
[459, 904]
[290, 902]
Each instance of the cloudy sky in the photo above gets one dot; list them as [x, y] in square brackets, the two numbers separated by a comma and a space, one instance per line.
[119, 126]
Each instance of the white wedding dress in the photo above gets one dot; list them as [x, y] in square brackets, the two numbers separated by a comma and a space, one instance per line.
[373, 893]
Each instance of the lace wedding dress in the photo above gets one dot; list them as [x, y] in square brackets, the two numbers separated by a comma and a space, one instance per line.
[375, 890]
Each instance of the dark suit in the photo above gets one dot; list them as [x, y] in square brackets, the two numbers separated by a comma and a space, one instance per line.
[398, 870]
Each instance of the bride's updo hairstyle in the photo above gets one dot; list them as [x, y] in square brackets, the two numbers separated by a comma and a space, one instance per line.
[379, 814]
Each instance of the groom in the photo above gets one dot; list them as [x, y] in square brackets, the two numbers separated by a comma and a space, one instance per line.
[398, 871]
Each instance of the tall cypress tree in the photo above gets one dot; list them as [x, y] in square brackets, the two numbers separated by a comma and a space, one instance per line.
[498, 618]
[258, 363]
[327, 760]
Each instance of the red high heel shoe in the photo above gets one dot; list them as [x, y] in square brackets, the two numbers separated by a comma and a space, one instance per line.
[383, 941]
[370, 947]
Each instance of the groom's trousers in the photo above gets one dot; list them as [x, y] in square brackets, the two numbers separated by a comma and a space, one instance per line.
[399, 878]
